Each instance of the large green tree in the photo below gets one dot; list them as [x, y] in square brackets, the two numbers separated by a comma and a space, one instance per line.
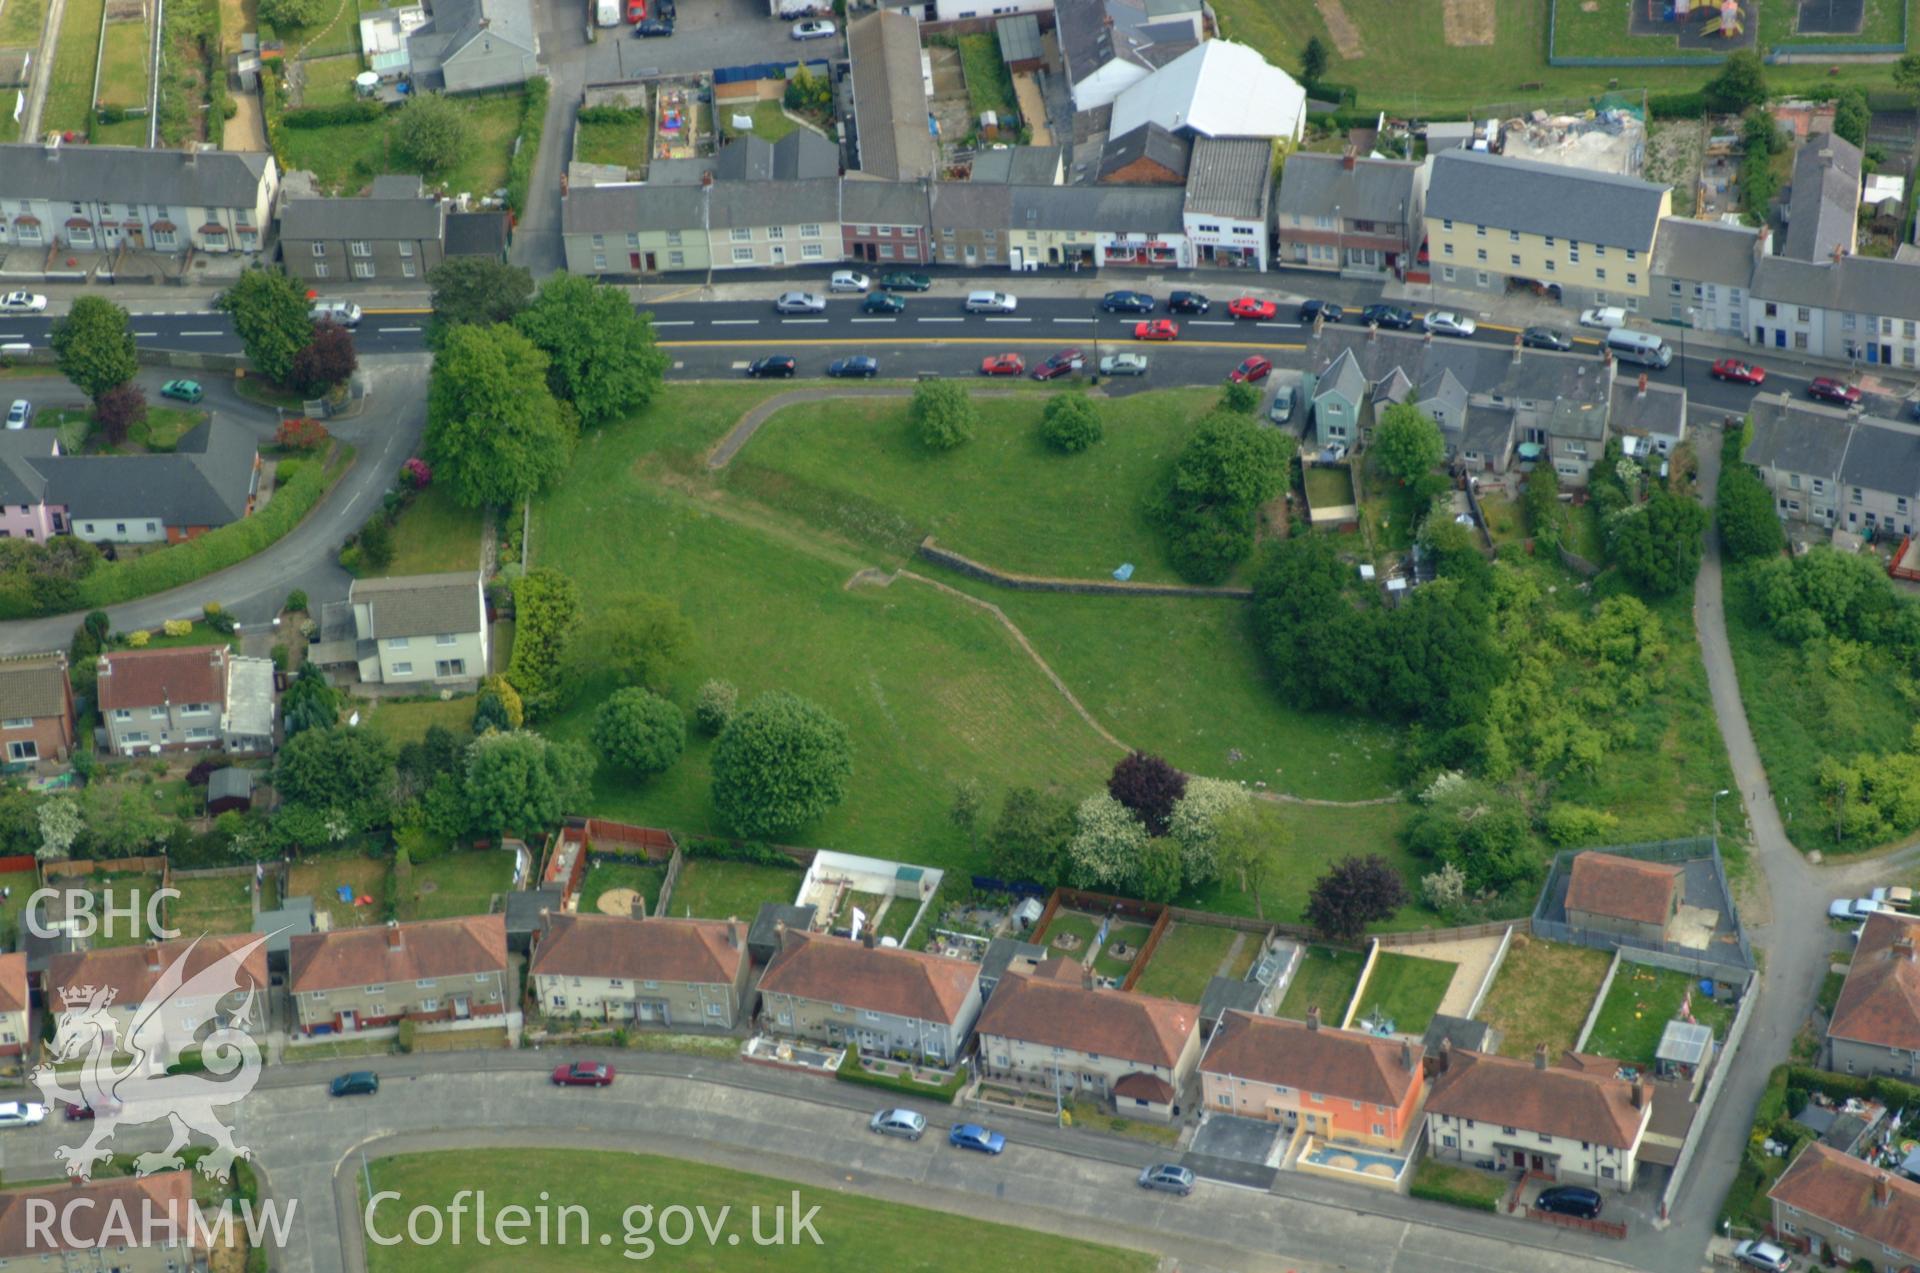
[338, 772]
[522, 782]
[1028, 841]
[1743, 507]
[1657, 544]
[639, 731]
[636, 637]
[431, 132]
[272, 317]
[1742, 82]
[546, 606]
[1210, 503]
[943, 414]
[1107, 845]
[95, 346]
[494, 431]
[310, 702]
[601, 355]
[1406, 444]
[1355, 891]
[477, 290]
[779, 764]
[1906, 74]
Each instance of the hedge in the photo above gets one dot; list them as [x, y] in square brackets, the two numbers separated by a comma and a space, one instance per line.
[738, 851]
[852, 1071]
[1890, 1092]
[1458, 1186]
[1677, 105]
[112, 583]
[533, 121]
[361, 112]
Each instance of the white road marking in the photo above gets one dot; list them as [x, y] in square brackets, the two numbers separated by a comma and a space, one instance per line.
[1278, 324]
[872, 320]
[939, 320]
[1075, 320]
[678, 322]
[1009, 320]
[792, 322]
[203, 333]
[145, 335]
[736, 322]
[1208, 322]
[396, 329]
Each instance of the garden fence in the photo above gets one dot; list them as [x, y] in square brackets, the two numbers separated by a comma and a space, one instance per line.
[1493, 970]
[1703, 1115]
[1773, 57]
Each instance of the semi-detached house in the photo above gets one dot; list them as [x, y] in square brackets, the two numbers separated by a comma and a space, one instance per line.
[1875, 1026]
[667, 972]
[132, 975]
[143, 1224]
[104, 198]
[14, 1038]
[192, 698]
[36, 708]
[1344, 1085]
[1840, 1209]
[435, 972]
[1566, 1121]
[879, 999]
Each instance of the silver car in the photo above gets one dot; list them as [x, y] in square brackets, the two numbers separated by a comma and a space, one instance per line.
[1447, 323]
[904, 1123]
[1167, 1178]
[1282, 409]
[1124, 365]
[1763, 1255]
[800, 303]
[20, 414]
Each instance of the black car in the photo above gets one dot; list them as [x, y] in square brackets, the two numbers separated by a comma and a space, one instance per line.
[358, 1083]
[1546, 338]
[1394, 316]
[1188, 303]
[1569, 1200]
[1310, 310]
[882, 303]
[653, 28]
[1127, 303]
[861, 366]
[777, 365]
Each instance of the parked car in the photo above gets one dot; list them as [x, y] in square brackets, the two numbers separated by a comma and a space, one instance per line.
[1281, 412]
[1063, 363]
[1852, 908]
[27, 1113]
[85, 1113]
[1604, 318]
[858, 367]
[1398, 317]
[1569, 1200]
[185, 390]
[1827, 389]
[1127, 303]
[1002, 365]
[904, 1123]
[813, 29]
[358, 1083]
[636, 10]
[1157, 329]
[1251, 370]
[1446, 322]
[1124, 365]
[1188, 303]
[340, 313]
[848, 281]
[1898, 896]
[653, 28]
[20, 414]
[583, 1074]
[905, 281]
[1251, 307]
[1310, 310]
[882, 303]
[800, 303]
[781, 365]
[974, 1136]
[991, 303]
[1167, 1178]
[1743, 373]
[1546, 338]
[22, 303]
[1762, 1255]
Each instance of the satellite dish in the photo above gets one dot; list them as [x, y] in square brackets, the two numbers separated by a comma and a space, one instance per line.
[153, 749]
[354, 719]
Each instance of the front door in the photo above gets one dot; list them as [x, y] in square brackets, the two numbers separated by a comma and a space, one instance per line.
[652, 263]
[779, 254]
[633, 261]
[461, 1008]
[1539, 1162]
[349, 1022]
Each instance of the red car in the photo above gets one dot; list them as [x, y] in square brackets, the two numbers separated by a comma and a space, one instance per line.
[583, 1074]
[1066, 362]
[1254, 368]
[1002, 365]
[1744, 373]
[1827, 389]
[636, 10]
[1252, 307]
[1157, 329]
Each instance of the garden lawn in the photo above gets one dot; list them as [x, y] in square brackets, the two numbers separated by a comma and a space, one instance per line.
[1134, 935]
[123, 67]
[461, 883]
[854, 1231]
[1504, 520]
[409, 722]
[199, 634]
[345, 158]
[622, 142]
[770, 121]
[162, 429]
[712, 888]
[319, 875]
[21, 23]
[1543, 994]
[16, 887]
[1325, 979]
[1188, 956]
[988, 86]
[898, 917]
[119, 889]
[1639, 1004]
[214, 905]
[1406, 989]
[69, 104]
[1077, 923]
[329, 80]
[603, 876]
[1328, 485]
[434, 534]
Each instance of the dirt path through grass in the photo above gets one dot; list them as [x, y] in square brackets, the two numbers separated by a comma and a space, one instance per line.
[1346, 36]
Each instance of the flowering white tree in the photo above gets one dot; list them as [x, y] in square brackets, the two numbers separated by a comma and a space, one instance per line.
[1106, 844]
[59, 828]
[1195, 825]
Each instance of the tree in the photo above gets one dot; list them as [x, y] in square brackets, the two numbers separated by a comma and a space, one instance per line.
[1248, 854]
[1313, 60]
[95, 346]
[375, 541]
[1149, 787]
[1105, 848]
[943, 414]
[475, 289]
[125, 824]
[1906, 74]
[293, 13]
[1445, 890]
[431, 132]
[310, 702]
[1355, 891]
[1742, 82]
[600, 353]
[639, 638]
[1480, 830]
[327, 360]
[490, 711]
[1657, 544]
[1743, 507]
[494, 431]
[495, 689]
[1541, 504]
[270, 313]
[1406, 444]
[338, 771]
[639, 731]
[1195, 825]
[1239, 398]
[714, 706]
[521, 781]
[1070, 423]
[60, 826]
[1157, 875]
[1851, 115]
[1210, 504]
[963, 813]
[1028, 841]
[546, 607]
[118, 409]
[780, 764]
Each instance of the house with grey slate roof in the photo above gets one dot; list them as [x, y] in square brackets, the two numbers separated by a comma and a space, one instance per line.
[635, 229]
[1862, 308]
[1110, 45]
[1018, 165]
[106, 198]
[207, 481]
[396, 232]
[1831, 469]
[885, 222]
[1149, 155]
[410, 629]
[1229, 193]
[1100, 225]
[1348, 213]
[773, 224]
[1823, 206]
[469, 45]
[1701, 273]
[890, 115]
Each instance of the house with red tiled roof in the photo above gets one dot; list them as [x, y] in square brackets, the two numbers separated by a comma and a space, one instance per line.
[881, 999]
[1338, 1084]
[435, 972]
[1840, 1209]
[671, 972]
[1572, 1121]
[131, 974]
[1136, 1050]
[143, 1224]
[36, 708]
[13, 1004]
[1875, 1025]
[1607, 893]
[191, 698]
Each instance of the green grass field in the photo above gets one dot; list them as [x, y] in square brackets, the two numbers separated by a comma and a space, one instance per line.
[434, 534]
[409, 722]
[1542, 995]
[1639, 1004]
[21, 22]
[69, 106]
[329, 80]
[345, 158]
[1188, 956]
[1325, 979]
[709, 888]
[121, 890]
[854, 1231]
[123, 67]
[604, 876]
[461, 883]
[217, 905]
[1406, 989]
[988, 86]
[1124, 934]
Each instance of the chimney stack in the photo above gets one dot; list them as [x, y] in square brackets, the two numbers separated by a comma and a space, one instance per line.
[1882, 1189]
[1406, 1055]
[1903, 948]
[1639, 1094]
[637, 908]
[866, 937]
[1539, 1056]
[1446, 1054]
[1313, 1017]
[153, 956]
[1347, 158]
[393, 935]
[733, 931]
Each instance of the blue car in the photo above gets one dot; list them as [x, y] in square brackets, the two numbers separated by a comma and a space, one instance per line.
[974, 1136]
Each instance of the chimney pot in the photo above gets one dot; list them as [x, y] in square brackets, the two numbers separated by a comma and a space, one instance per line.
[1539, 1056]
[1406, 1055]
[1882, 1190]
[393, 935]
[1903, 948]
[1643, 386]
[1313, 1017]
[153, 956]
[733, 932]
[1639, 1094]
[1348, 158]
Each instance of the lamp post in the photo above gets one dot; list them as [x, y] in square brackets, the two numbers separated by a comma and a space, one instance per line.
[1093, 376]
[1339, 266]
[1692, 314]
[1716, 811]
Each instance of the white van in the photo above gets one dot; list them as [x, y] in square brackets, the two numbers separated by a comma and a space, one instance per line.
[606, 13]
[345, 313]
[1644, 348]
[991, 303]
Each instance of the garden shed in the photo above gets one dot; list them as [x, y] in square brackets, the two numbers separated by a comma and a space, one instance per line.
[229, 789]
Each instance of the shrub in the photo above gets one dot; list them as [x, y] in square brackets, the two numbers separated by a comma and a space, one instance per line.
[217, 619]
[177, 627]
[405, 1039]
[416, 474]
[852, 1071]
[376, 543]
[300, 434]
[714, 706]
[943, 414]
[297, 599]
[202, 771]
[1070, 423]
[138, 638]
[533, 121]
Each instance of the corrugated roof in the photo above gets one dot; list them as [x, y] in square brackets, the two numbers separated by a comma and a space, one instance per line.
[1019, 38]
[1546, 199]
[1219, 89]
[421, 605]
[890, 96]
[1230, 178]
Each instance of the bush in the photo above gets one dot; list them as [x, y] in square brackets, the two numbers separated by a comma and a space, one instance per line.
[416, 474]
[177, 627]
[752, 852]
[851, 1071]
[297, 599]
[533, 121]
[300, 434]
[1677, 105]
[714, 706]
[405, 1039]
[943, 414]
[138, 638]
[202, 771]
[1070, 423]
[217, 619]
[376, 543]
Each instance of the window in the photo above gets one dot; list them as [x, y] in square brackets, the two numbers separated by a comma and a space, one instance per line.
[741, 234]
[360, 247]
[1225, 1099]
[599, 241]
[450, 667]
[1516, 261]
[1513, 236]
[676, 259]
[25, 722]
[1549, 240]
[24, 750]
[425, 983]
[1632, 255]
[1573, 256]
[1632, 279]
[196, 709]
[1480, 254]
[776, 232]
[1549, 266]
[1446, 250]
[673, 238]
[396, 643]
[202, 734]
[430, 1005]
[363, 269]
[716, 1009]
[1446, 271]
[599, 261]
[406, 269]
[1801, 313]
[319, 249]
[1480, 231]
[1447, 223]
[119, 528]
[320, 271]
[406, 246]
[1508, 1131]
[808, 251]
[446, 638]
[1601, 275]
[809, 231]
[403, 669]
[743, 256]
[1379, 1129]
[121, 713]
[160, 713]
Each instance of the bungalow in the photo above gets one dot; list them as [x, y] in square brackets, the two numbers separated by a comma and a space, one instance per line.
[199, 696]
[1338, 1084]
[36, 708]
[1607, 893]
[210, 479]
[1875, 1026]
[674, 972]
[876, 998]
[137, 1224]
[105, 198]
[425, 629]
[1049, 1028]
[435, 972]
[129, 975]
[1842, 1210]
[1566, 1121]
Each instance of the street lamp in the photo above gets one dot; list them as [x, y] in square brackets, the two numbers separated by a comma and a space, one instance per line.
[1093, 376]
[1716, 811]
[1338, 240]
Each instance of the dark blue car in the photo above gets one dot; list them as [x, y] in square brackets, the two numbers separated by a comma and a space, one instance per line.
[974, 1136]
[1127, 303]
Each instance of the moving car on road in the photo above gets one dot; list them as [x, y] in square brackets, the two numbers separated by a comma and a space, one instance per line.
[1124, 365]
[1251, 307]
[974, 1136]
[1827, 389]
[905, 1123]
[1063, 363]
[1002, 365]
[583, 1074]
[185, 390]
[1546, 338]
[22, 303]
[358, 1083]
[1252, 370]
[813, 29]
[905, 281]
[1157, 329]
[1446, 322]
[1398, 317]
[991, 303]
[773, 365]
[1742, 373]
[1605, 318]
[858, 367]
[800, 303]
[1167, 1178]
[1127, 303]
[1188, 303]
[27, 1113]
[882, 303]
[1310, 310]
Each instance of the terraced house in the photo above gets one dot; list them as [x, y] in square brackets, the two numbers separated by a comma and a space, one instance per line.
[669, 972]
[877, 998]
[108, 198]
[1830, 468]
[441, 972]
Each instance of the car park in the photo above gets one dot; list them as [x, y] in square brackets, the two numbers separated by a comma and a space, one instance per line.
[1742, 373]
[991, 303]
[185, 390]
[1003, 365]
[27, 1113]
[1124, 365]
[773, 365]
[974, 1136]
[858, 367]
[1251, 370]
[813, 29]
[1546, 338]
[1127, 303]
[800, 303]
[1446, 322]
[905, 1123]
[1281, 412]
[22, 303]
[1317, 309]
[653, 28]
[848, 281]
[1066, 362]
[20, 414]
[882, 303]
[1157, 329]
[1188, 303]
[1251, 307]
[1756, 1254]
[905, 281]
[583, 1074]
[1167, 1177]
[358, 1083]
[1569, 1200]
[1827, 389]
[1397, 317]
[1604, 318]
